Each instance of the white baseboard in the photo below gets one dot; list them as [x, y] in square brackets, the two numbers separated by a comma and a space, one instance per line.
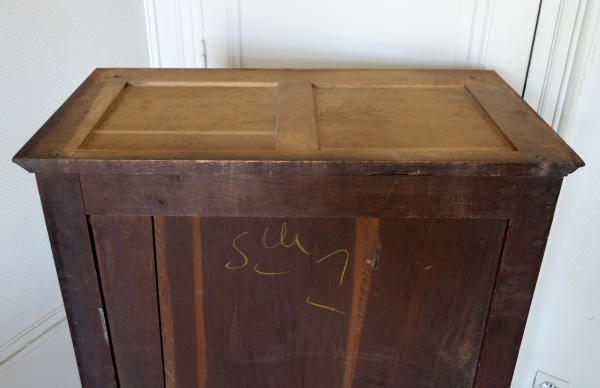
[24, 346]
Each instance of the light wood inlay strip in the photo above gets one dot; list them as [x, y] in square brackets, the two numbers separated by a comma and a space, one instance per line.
[368, 247]
[296, 119]
[103, 101]
[199, 305]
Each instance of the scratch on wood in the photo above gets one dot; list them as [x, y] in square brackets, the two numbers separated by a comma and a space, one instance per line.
[103, 320]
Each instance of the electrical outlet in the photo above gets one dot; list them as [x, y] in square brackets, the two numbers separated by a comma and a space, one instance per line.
[544, 380]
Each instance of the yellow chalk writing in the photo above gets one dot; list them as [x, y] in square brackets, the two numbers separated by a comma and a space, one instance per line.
[281, 242]
[324, 307]
[268, 273]
[228, 265]
[345, 264]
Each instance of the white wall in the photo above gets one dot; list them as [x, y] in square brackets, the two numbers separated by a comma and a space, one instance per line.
[562, 336]
[448, 34]
[47, 48]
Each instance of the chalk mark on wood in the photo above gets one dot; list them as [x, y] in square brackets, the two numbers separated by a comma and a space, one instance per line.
[324, 307]
[282, 238]
[268, 273]
[241, 253]
[345, 265]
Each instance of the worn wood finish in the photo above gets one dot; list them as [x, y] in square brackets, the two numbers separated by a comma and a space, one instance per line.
[201, 121]
[179, 261]
[296, 121]
[425, 314]
[277, 300]
[297, 228]
[124, 247]
[333, 162]
[106, 98]
[368, 254]
[208, 117]
[299, 196]
[512, 115]
[521, 260]
[325, 302]
[431, 118]
[74, 260]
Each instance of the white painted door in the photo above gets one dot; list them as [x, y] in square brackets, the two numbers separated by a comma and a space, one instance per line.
[440, 34]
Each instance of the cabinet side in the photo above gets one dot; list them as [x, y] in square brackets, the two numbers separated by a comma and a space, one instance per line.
[520, 263]
[74, 259]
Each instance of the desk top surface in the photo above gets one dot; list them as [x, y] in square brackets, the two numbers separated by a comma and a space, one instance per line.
[356, 122]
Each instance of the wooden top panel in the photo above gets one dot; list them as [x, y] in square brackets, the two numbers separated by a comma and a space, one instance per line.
[427, 118]
[188, 117]
[297, 122]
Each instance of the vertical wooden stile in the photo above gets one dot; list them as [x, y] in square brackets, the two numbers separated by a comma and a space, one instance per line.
[296, 119]
[124, 247]
[179, 262]
[73, 256]
[367, 251]
[524, 246]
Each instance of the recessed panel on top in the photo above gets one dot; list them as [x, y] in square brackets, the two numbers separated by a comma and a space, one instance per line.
[425, 118]
[187, 118]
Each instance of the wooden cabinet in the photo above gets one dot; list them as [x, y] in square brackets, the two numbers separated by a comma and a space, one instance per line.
[289, 228]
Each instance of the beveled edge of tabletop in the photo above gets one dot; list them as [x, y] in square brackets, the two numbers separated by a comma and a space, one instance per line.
[43, 152]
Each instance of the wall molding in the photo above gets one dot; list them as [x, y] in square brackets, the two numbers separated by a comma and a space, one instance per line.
[474, 31]
[234, 27]
[25, 345]
[175, 33]
[552, 56]
[222, 33]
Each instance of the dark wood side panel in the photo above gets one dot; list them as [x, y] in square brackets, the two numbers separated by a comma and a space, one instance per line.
[428, 301]
[125, 252]
[74, 260]
[526, 239]
[299, 196]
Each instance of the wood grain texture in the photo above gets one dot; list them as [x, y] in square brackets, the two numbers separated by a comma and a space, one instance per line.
[105, 99]
[277, 299]
[368, 254]
[442, 118]
[125, 252]
[73, 256]
[513, 115]
[526, 239]
[296, 121]
[179, 261]
[187, 117]
[299, 196]
[220, 121]
[334, 162]
[426, 312]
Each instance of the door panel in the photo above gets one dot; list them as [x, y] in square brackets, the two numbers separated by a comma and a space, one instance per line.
[428, 302]
[334, 302]
[125, 254]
